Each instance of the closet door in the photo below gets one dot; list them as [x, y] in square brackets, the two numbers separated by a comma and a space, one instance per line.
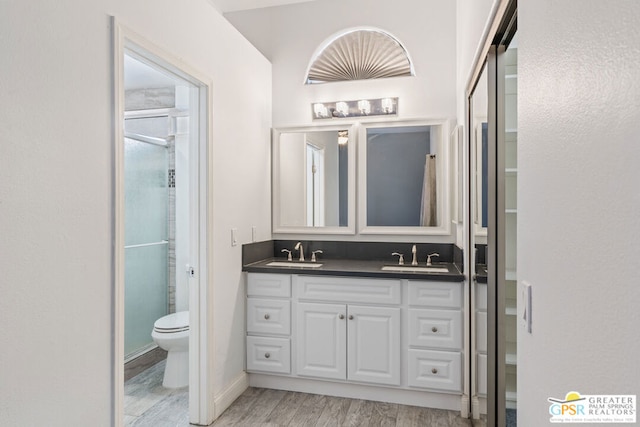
[492, 123]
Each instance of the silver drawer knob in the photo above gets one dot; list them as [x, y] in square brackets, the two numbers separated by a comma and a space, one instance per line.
[434, 371]
[267, 355]
[341, 316]
[351, 317]
[434, 329]
[266, 316]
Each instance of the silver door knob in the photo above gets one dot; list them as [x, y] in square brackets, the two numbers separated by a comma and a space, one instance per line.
[434, 329]
[266, 316]
[267, 355]
[341, 316]
[434, 371]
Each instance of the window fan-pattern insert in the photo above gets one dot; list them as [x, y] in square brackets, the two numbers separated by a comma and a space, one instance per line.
[358, 55]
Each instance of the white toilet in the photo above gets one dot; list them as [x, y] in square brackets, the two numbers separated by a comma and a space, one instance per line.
[171, 333]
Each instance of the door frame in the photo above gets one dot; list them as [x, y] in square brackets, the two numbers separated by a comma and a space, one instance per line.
[201, 355]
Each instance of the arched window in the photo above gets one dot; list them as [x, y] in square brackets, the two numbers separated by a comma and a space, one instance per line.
[359, 54]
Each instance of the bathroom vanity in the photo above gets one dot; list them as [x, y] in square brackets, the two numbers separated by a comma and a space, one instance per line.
[351, 328]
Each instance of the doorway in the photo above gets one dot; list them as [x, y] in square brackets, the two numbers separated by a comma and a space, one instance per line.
[161, 162]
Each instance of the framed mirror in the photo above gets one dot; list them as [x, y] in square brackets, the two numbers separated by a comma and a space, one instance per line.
[403, 178]
[314, 180]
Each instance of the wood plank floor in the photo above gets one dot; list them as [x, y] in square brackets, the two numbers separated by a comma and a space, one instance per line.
[270, 408]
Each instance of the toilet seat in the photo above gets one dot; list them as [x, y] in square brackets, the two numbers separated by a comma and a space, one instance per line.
[172, 323]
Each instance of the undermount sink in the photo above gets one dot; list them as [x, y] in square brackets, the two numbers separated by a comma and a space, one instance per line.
[293, 264]
[415, 268]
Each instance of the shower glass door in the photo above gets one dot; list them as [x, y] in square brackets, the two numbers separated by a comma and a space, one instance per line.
[146, 241]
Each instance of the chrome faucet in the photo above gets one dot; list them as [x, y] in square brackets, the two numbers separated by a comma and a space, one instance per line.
[414, 261]
[288, 254]
[298, 247]
[429, 257]
[400, 259]
[313, 255]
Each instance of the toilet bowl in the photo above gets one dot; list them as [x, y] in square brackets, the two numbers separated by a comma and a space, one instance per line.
[171, 333]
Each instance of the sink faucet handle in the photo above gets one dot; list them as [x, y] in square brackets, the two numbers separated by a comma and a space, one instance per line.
[288, 254]
[429, 257]
[401, 259]
[313, 255]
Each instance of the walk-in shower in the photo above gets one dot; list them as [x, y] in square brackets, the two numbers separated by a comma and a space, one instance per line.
[147, 229]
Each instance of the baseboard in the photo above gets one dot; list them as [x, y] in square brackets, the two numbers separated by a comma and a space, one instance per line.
[143, 362]
[412, 397]
[222, 401]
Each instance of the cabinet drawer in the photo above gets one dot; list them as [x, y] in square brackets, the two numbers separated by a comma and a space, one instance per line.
[435, 294]
[481, 296]
[269, 285]
[269, 354]
[481, 332]
[270, 316]
[439, 370]
[482, 374]
[435, 328]
[342, 289]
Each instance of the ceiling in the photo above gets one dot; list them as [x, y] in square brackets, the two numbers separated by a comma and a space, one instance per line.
[225, 6]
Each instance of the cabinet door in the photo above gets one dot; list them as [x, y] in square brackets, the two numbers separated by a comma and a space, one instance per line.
[374, 344]
[321, 340]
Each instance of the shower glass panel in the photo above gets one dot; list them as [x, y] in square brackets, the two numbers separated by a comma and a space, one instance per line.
[146, 241]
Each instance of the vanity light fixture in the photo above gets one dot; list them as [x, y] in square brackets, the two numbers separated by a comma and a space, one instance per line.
[360, 108]
[364, 106]
[387, 105]
[342, 108]
[320, 111]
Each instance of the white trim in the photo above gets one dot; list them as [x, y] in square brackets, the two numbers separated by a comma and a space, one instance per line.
[117, 357]
[201, 317]
[231, 393]
[415, 396]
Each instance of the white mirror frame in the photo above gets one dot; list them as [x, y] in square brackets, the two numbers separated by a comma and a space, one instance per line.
[279, 228]
[443, 194]
[457, 149]
[478, 229]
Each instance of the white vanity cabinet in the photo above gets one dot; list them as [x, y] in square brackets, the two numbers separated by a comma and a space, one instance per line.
[346, 339]
[393, 340]
[269, 323]
[435, 335]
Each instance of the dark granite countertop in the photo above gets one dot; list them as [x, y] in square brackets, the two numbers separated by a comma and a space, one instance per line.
[362, 268]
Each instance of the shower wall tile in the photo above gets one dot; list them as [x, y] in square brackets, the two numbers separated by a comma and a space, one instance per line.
[147, 99]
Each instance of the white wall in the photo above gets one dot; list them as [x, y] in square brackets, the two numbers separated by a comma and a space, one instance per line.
[56, 197]
[289, 36]
[472, 20]
[578, 200]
